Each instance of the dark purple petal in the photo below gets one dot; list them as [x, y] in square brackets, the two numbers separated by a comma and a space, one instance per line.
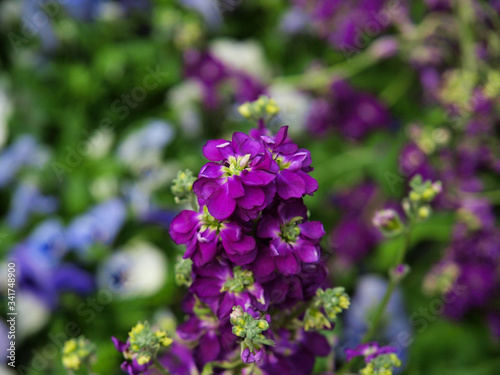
[209, 347]
[210, 150]
[258, 178]
[211, 170]
[254, 197]
[312, 229]
[235, 187]
[311, 185]
[289, 185]
[307, 251]
[120, 345]
[287, 264]
[220, 204]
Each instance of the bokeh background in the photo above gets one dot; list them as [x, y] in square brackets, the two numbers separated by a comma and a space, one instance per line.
[102, 102]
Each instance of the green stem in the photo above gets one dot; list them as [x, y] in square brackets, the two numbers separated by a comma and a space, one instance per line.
[322, 77]
[385, 300]
[159, 367]
[466, 16]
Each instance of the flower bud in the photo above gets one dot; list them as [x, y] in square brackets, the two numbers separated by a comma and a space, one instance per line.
[182, 186]
[77, 352]
[388, 222]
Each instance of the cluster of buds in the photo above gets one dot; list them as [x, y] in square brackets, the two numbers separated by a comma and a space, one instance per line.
[77, 352]
[250, 330]
[325, 307]
[416, 205]
[183, 270]
[182, 186]
[399, 272]
[263, 108]
[381, 365]
[441, 278]
[240, 281]
[388, 222]
[145, 343]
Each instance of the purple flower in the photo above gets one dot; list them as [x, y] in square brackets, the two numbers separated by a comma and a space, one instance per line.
[207, 70]
[346, 25]
[213, 337]
[131, 366]
[413, 161]
[352, 239]
[294, 353]
[292, 179]
[202, 234]
[238, 176]
[369, 350]
[250, 357]
[353, 113]
[293, 238]
[178, 360]
[223, 287]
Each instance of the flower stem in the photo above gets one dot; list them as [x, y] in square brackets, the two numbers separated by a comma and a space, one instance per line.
[385, 300]
[322, 77]
[159, 367]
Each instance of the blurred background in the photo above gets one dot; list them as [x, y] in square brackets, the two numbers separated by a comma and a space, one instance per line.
[102, 102]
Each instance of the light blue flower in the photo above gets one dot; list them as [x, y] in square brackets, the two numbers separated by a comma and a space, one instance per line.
[146, 144]
[28, 200]
[22, 152]
[46, 244]
[100, 225]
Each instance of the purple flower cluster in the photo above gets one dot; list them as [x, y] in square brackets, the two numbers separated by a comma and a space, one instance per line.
[355, 236]
[352, 113]
[348, 25]
[252, 246]
[211, 74]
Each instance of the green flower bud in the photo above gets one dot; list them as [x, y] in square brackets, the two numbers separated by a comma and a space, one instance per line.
[77, 352]
[183, 268]
[182, 186]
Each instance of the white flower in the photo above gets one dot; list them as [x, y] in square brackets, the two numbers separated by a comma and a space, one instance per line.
[139, 270]
[245, 56]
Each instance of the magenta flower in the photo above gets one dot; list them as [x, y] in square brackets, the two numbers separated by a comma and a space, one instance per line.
[237, 176]
[131, 366]
[369, 350]
[292, 179]
[248, 357]
[202, 234]
[293, 238]
[223, 287]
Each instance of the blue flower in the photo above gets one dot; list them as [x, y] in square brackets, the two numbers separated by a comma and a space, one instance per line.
[27, 200]
[22, 152]
[100, 225]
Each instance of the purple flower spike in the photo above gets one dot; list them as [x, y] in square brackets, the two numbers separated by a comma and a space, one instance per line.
[237, 176]
[293, 239]
[248, 357]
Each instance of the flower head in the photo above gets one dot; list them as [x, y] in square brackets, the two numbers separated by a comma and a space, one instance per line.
[293, 239]
[238, 176]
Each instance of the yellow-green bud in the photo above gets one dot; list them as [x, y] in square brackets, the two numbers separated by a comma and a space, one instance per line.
[143, 359]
